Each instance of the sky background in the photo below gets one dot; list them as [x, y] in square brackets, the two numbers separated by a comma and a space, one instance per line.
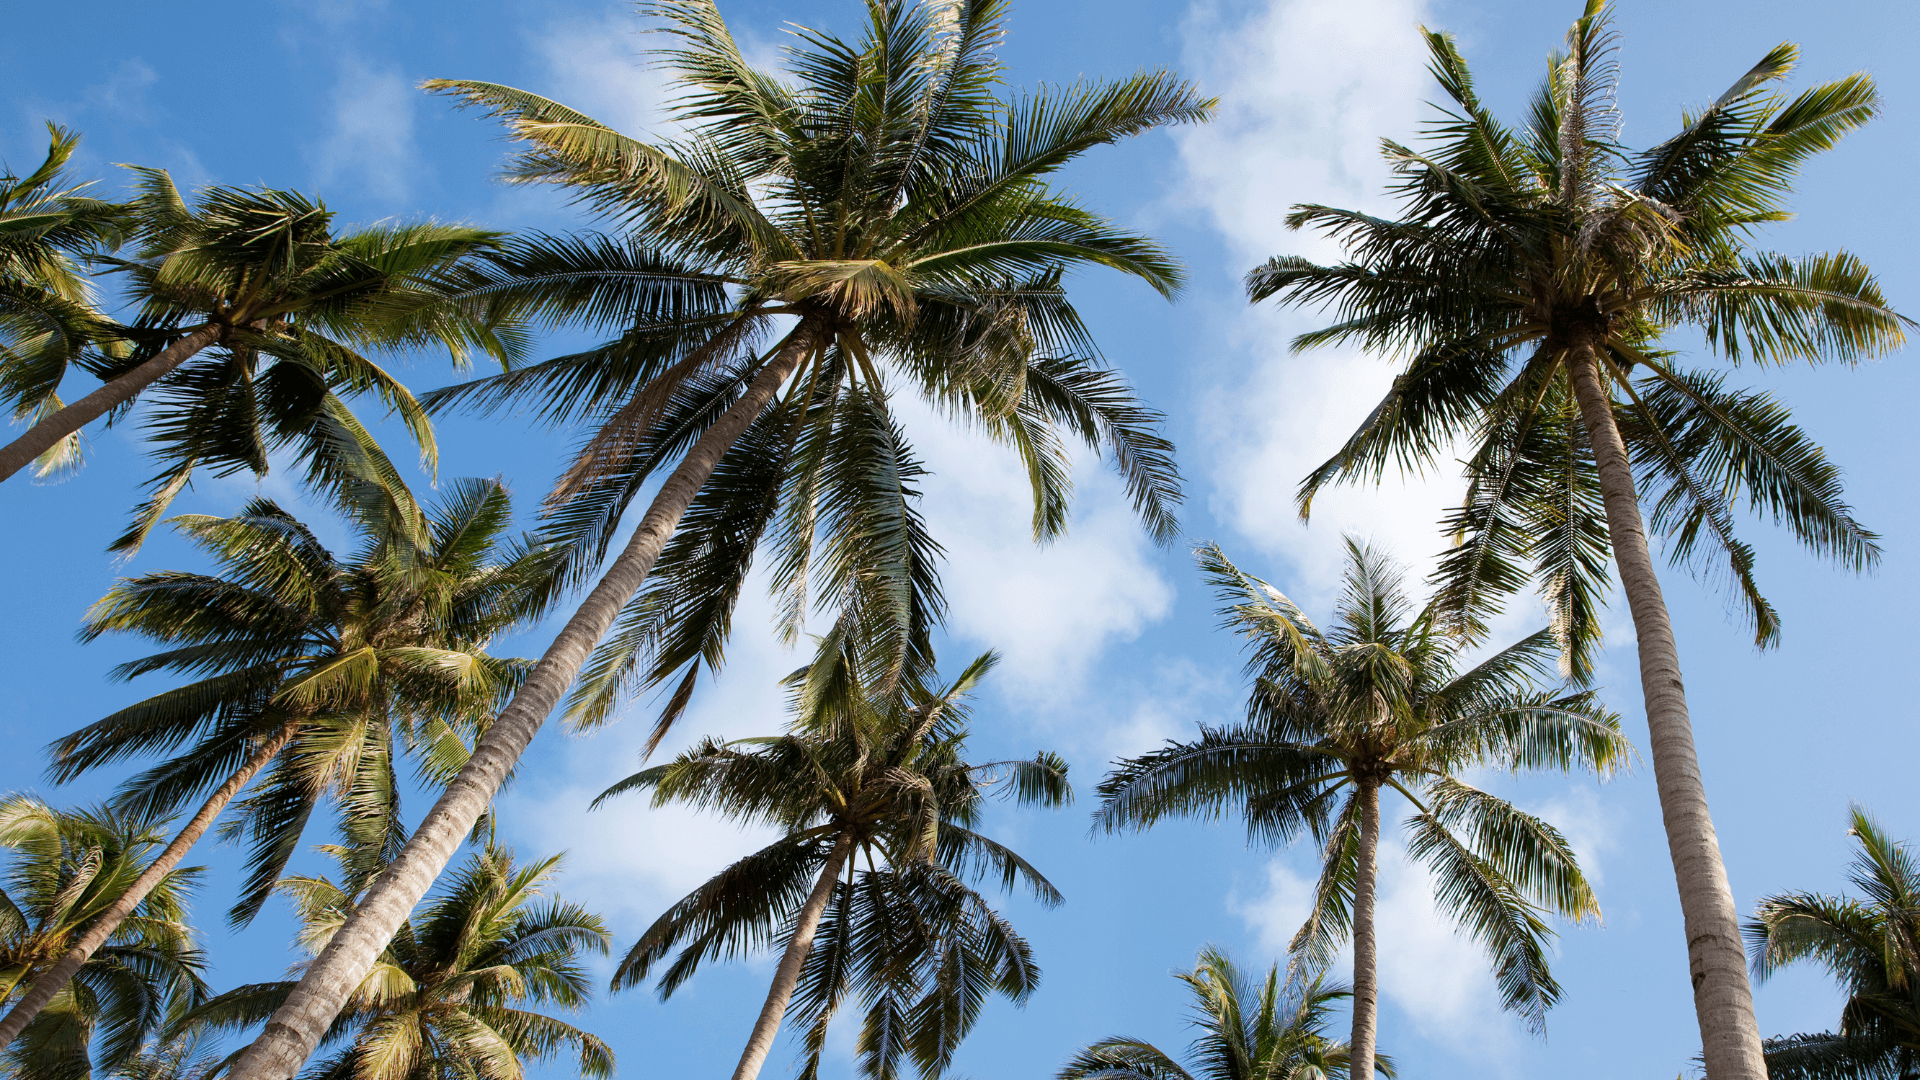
[1109, 642]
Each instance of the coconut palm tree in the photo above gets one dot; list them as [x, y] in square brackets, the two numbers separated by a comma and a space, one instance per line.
[1525, 281]
[68, 867]
[457, 995]
[1870, 945]
[251, 312]
[1277, 1031]
[871, 771]
[1378, 705]
[313, 667]
[887, 221]
[48, 316]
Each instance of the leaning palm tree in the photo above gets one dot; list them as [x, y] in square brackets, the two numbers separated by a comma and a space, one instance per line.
[887, 221]
[1378, 705]
[1526, 281]
[455, 995]
[49, 226]
[251, 315]
[1870, 945]
[1275, 1032]
[317, 668]
[70, 867]
[871, 772]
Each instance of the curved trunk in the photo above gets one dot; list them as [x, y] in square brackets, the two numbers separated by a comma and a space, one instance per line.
[787, 975]
[296, 1027]
[55, 978]
[1366, 975]
[46, 434]
[1722, 997]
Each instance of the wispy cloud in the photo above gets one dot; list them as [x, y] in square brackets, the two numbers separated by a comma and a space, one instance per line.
[600, 66]
[371, 138]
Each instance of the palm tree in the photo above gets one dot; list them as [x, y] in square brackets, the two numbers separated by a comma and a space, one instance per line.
[454, 995]
[68, 867]
[871, 767]
[898, 213]
[1379, 704]
[1525, 280]
[1275, 1032]
[48, 316]
[1871, 946]
[314, 666]
[261, 279]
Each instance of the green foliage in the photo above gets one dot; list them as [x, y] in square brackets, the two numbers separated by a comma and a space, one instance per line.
[68, 866]
[296, 307]
[1518, 250]
[49, 227]
[1381, 696]
[1871, 947]
[368, 657]
[456, 994]
[1277, 1031]
[875, 764]
[882, 191]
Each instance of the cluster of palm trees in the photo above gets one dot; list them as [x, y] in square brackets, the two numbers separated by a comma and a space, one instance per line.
[882, 218]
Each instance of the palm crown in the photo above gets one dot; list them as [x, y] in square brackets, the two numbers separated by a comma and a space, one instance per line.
[449, 999]
[889, 200]
[286, 307]
[1273, 1030]
[358, 659]
[67, 867]
[1379, 701]
[1519, 253]
[1871, 947]
[871, 770]
[48, 316]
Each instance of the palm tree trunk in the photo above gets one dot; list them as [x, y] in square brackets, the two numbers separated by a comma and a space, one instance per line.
[1722, 997]
[787, 975]
[46, 434]
[296, 1027]
[1366, 974]
[55, 978]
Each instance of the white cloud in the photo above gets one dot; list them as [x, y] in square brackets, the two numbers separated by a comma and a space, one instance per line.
[1307, 91]
[372, 136]
[1051, 611]
[599, 66]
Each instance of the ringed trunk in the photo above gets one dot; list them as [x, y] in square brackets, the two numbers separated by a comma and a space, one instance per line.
[46, 434]
[1716, 960]
[55, 978]
[787, 975]
[1366, 976]
[297, 1026]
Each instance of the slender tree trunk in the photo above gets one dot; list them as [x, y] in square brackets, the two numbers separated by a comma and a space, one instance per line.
[1722, 997]
[787, 975]
[102, 927]
[1366, 961]
[296, 1027]
[46, 434]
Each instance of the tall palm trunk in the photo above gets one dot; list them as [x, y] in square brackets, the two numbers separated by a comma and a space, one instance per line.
[296, 1027]
[787, 975]
[1366, 974]
[47, 434]
[54, 979]
[1722, 997]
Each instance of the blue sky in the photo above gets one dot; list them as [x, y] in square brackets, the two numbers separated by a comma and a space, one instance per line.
[1109, 642]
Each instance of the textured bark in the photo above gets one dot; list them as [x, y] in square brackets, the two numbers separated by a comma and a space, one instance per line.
[787, 975]
[55, 978]
[1722, 997]
[46, 434]
[296, 1027]
[1366, 974]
